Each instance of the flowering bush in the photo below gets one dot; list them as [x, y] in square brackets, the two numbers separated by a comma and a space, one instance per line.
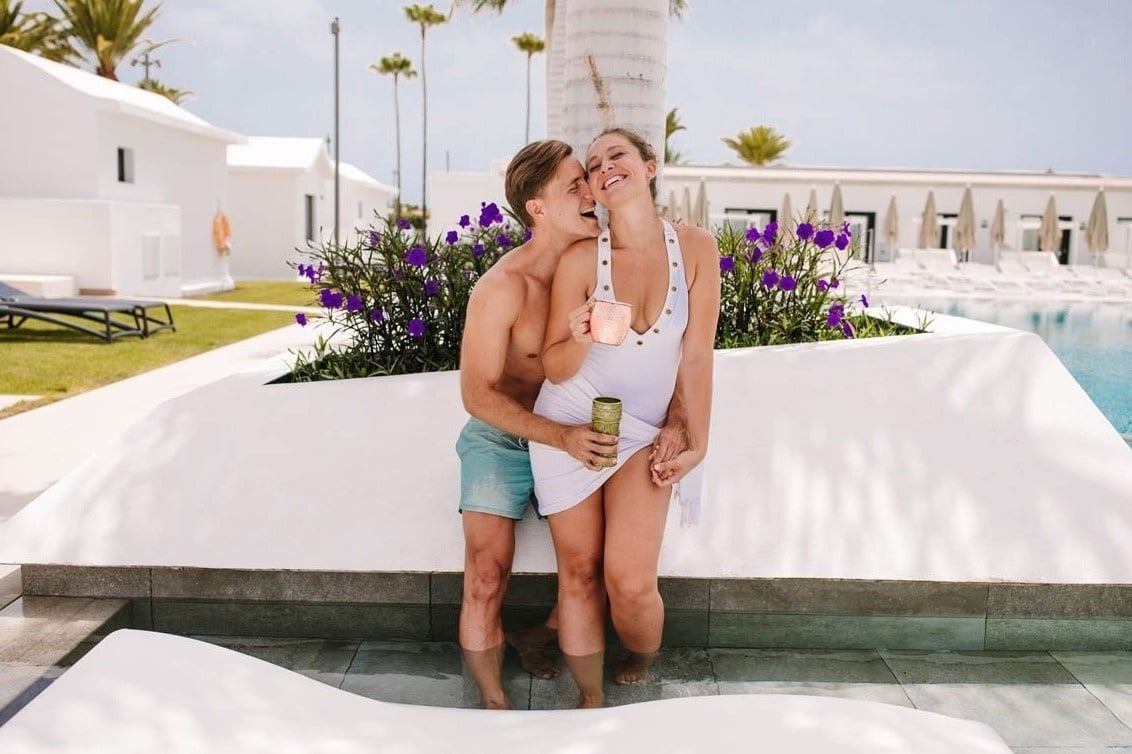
[786, 286]
[399, 297]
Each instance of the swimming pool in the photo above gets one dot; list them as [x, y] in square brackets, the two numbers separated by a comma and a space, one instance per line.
[1092, 339]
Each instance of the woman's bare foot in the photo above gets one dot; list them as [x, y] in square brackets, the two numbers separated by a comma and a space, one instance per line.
[634, 668]
[531, 644]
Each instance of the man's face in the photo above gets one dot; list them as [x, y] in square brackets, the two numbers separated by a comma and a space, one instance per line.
[568, 204]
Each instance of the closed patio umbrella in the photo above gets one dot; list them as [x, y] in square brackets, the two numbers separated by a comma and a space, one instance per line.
[998, 230]
[929, 225]
[700, 207]
[965, 224]
[670, 211]
[1096, 232]
[1049, 234]
[812, 204]
[891, 226]
[786, 215]
[836, 207]
[686, 209]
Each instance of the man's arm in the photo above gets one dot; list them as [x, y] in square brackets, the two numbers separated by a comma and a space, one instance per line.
[493, 309]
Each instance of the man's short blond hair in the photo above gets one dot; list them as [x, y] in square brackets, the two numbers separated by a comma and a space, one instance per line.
[530, 171]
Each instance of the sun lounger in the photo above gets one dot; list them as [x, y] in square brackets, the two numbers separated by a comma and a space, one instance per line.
[140, 691]
[106, 318]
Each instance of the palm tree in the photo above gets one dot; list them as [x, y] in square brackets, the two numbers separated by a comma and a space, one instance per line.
[109, 29]
[38, 33]
[530, 44]
[672, 124]
[425, 16]
[760, 145]
[396, 65]
[173, 94]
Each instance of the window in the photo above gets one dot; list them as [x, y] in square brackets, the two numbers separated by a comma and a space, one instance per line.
[739, 219]
[125, 165]
[309, 212]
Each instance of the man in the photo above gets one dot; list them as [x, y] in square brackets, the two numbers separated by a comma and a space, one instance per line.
[500, 375]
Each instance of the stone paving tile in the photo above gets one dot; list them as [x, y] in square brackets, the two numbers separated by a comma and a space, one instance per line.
[44, 630]
[324, 660]
[1028, 698]
[429, 673]
[852, 674]
[1107, 675]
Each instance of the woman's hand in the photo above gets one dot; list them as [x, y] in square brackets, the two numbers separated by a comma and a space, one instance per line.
[580, 322]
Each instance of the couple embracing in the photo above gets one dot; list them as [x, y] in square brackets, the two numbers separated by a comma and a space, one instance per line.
[529, 370]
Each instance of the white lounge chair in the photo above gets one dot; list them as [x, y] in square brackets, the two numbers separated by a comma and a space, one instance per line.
[147, 692]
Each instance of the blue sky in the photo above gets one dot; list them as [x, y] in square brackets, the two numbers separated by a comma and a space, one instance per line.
[963, 84]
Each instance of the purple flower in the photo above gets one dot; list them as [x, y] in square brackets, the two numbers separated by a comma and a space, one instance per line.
[489, 214]
[823, 238]
[302, 270]
[842, 241]
[468, 274]
[431, 288]
[527, 235]
[727, 264]
[834, 283]
[845, 229]
[301, 319]
[823, 285]
[374, 238]
[403, 224]
[398, 275]
[769, 233]
[804, 231]
[416, 327]
[753, 234]
[416, 256]
[377, 316]
[353, 303]
[465, 221]
[847, 328]
[755, 255]
[864, 301]
[477, 250]
[451, 238]
[836, 314]
[787, 283]
[504, 240]
[770, 279]
[330, 299]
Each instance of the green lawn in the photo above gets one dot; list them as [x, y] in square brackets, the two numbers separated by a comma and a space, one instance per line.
[46, 360]
[267, 292]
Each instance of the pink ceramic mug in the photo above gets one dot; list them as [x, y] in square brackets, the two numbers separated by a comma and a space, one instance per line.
[609, 322]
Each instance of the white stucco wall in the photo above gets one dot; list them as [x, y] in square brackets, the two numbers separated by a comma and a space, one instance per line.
[266, 215]
[969, 454]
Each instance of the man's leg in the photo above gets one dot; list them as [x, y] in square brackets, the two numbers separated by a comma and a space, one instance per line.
[489, 547]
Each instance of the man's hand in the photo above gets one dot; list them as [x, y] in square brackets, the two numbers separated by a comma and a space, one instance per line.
[669, 444]
[595, 450]
[667, 473]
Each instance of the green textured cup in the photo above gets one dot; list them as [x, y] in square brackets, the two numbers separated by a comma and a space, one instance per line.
[606, 415]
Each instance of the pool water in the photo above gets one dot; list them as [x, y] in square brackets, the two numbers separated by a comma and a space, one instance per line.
[1093, 340]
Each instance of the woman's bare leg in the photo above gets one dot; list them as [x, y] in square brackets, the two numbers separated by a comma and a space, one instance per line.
[635, 513]
[578, 535]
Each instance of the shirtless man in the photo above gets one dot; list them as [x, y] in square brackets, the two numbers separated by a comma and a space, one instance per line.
[500, 375]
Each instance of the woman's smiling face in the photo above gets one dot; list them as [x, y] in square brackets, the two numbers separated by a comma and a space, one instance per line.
[614, 166]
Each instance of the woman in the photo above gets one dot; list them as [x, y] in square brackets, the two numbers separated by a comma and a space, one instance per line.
[607, 523]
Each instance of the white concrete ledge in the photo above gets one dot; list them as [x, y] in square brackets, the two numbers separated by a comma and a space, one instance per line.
[965, 455]
[50, 286]
[148, 692]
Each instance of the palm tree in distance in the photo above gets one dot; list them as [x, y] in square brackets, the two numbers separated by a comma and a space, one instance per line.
[396, 65]
[672, 124]
[530, 44]
[38, 33]
[109, 29]
[425, 16]
[760, 145]
[171, 93]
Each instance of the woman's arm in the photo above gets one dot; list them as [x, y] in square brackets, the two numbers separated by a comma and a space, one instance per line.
[567, 339]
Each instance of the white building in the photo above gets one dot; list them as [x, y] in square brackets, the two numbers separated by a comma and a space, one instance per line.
[282, 198]
[105, 183]
[756, 195]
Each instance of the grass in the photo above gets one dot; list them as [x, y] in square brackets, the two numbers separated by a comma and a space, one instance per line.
[45, 360]
[267, 292]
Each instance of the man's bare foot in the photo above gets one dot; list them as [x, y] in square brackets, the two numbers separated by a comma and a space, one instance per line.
[531, 645]
[503, 702]
[634, 668]
[591, 702]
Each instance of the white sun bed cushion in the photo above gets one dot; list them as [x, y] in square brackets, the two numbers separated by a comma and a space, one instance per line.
[148, 692]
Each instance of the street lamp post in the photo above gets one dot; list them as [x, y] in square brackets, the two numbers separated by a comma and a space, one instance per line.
[334, 31]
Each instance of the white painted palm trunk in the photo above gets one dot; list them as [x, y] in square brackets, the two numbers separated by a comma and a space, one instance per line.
[613, 65]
